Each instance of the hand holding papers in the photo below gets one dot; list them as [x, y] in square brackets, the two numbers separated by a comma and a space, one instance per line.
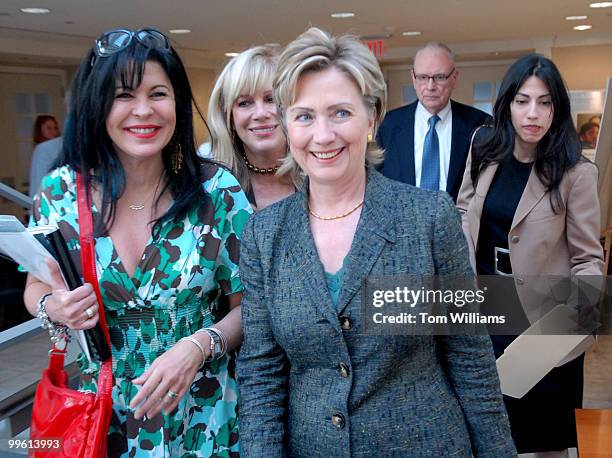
[42, 251]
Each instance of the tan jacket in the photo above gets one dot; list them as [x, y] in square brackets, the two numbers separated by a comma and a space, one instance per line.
[541, 242]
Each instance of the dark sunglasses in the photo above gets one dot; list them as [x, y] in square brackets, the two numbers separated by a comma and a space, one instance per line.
[114, 41]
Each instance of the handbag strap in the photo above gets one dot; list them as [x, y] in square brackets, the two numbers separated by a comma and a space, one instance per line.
[90, 275]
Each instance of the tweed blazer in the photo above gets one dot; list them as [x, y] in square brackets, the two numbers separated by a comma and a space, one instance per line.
[313, 385]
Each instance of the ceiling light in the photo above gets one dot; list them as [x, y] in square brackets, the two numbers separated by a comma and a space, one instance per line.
[231, 54]
[411, 34]
[35, 10]
[342, 15]
[583, 27]
[273, 45]
[179, 31]
[575, 18]
[601, 5]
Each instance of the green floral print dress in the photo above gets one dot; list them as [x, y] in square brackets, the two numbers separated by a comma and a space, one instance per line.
[171, 295]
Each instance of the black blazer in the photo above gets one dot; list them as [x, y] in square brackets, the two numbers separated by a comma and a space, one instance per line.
[396, 137]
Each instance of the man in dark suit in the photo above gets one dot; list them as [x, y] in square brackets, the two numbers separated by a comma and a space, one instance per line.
[426, 143]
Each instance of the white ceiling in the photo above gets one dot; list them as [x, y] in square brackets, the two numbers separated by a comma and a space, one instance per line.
[475, 29]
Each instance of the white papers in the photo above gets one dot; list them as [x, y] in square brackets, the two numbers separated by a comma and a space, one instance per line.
[19, 244]
[532, 355]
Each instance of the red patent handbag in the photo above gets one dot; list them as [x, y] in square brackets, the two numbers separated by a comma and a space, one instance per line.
[66, 422]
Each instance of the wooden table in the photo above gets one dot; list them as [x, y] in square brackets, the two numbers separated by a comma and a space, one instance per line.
[594, 428]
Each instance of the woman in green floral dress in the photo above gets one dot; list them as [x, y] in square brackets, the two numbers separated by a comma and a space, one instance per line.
[167, 229]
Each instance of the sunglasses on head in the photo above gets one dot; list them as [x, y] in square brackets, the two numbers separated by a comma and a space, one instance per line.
[114, 41]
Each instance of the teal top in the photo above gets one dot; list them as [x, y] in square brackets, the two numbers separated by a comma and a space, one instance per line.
[334, 283]
[169, 296]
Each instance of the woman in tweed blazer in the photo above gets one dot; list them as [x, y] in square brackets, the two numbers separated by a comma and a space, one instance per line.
[312, 384]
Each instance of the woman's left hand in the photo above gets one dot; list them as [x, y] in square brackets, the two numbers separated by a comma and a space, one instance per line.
[167, 380]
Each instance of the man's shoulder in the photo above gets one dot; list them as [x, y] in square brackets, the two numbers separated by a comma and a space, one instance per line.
[469, 111]
[401, 112]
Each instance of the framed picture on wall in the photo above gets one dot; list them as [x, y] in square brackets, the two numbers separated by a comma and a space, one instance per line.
[587, 107]
[588, 125]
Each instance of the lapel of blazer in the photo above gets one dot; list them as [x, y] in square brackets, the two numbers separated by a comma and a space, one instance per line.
[482, 188]
[404, 144]
[533, 193]
[374, 230]
[458, 153]
[303, 260]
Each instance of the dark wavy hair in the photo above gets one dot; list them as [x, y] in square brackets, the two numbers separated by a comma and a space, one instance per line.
[88, 147]
[37, 135]
[556, 153]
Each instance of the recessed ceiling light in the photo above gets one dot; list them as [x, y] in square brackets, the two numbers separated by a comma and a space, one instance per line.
[575, 18]
[179, 31]
[342, 15]
[231, 54]
[583, 27]
[411, 34]
[35, 10]
[601, 5]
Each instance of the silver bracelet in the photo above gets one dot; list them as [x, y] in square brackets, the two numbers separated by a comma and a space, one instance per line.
[57, 331]
[195, 341]
[222, 337]
[218, 343]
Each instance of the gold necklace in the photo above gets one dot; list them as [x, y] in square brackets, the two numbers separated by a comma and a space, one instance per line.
[142, 206]
[256, 169]
[330, 218]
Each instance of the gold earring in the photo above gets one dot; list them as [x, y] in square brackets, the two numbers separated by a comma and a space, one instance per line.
[177, 158]
[370, 137]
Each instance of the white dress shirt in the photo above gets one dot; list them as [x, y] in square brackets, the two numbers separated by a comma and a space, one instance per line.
[444, 129]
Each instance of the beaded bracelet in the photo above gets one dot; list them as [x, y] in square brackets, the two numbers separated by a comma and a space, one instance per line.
[57, 331]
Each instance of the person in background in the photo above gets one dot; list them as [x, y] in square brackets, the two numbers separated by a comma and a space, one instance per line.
[47, 147]
[312, 384]
[45, 128]
[530, 209]
[247, 134]
[44, 158]
[426, 143]
[167, 231]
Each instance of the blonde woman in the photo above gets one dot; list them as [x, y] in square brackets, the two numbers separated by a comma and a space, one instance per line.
[248, 136]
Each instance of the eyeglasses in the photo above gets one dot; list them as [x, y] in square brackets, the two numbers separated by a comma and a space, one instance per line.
[114, 41]
[439, 78]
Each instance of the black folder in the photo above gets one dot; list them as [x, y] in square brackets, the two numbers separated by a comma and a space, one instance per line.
[56, 245]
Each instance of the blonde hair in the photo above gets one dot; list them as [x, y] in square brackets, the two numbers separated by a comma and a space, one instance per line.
[316, 50]
[247, 73]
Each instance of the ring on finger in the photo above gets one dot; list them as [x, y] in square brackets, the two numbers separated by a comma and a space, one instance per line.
[171, 394]
[89, 312]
